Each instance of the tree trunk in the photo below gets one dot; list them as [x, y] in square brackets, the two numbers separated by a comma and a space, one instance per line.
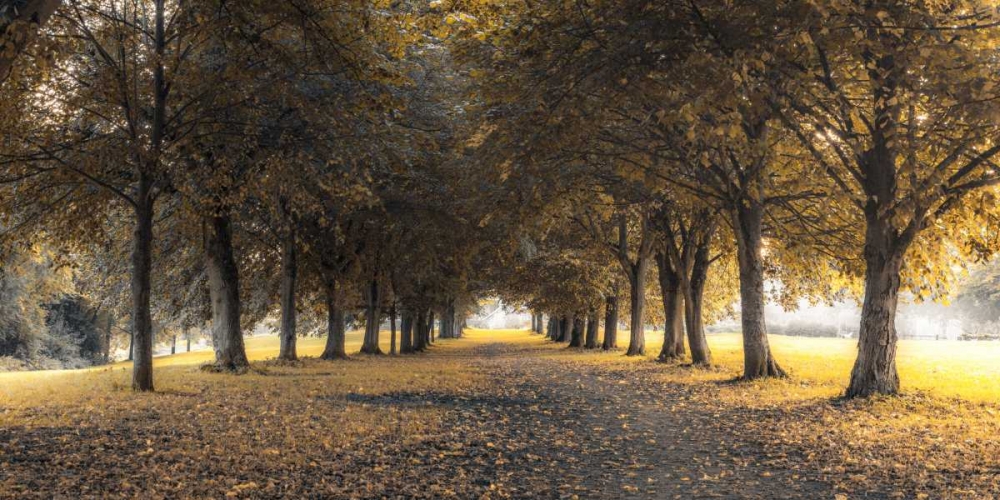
[610, 323]
[131, 344]
[673, 310]
[701, 355]
[335, 338]
[576, 337]
[289, 274]
[452, 321]
[107, 340]
[392, 328]
[373, 315]
[141, 345]
[447, 321]
[758, 362]
[223, 284]
[430, 327]
[189, 342]
[420, 331]
[406, 333]
[553, 332]
[565, 328]
[173, 344]
[637, 283]
[875, 368]
[592, 327]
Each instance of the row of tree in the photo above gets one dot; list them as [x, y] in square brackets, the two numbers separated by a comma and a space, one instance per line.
[220, 162]
[785, 149]
[370, 156]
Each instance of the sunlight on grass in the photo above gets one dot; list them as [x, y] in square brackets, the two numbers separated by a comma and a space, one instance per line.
[180, 374]
[821, 367]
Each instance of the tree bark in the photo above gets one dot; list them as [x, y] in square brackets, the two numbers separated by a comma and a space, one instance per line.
[335, 339]
[142, 263]
[673, 310]
[637, 284]
[758, 362]
[610, 323]
[701, 355]
[874, 369]
[565, 328]
[592, 328]
[373, 316]
[289, 274]
[553, 332]
[406, 333]
[107, 340]
[131, 344]
[392, 328]
[420, 331]
[224, 289]
[430, 327]
[448, 321]
[576, 337]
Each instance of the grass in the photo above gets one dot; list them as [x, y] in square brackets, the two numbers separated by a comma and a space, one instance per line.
[180, 374]
[821, 367]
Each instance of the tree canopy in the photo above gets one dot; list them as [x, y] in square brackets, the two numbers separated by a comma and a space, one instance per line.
[216, 164]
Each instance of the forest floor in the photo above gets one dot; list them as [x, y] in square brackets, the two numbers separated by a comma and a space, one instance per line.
[507, 414]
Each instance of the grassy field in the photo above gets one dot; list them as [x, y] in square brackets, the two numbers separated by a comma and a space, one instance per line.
[819, 367]
[822, 366]
[179, 374]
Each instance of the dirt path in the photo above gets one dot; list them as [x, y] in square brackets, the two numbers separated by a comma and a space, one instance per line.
[599, 433]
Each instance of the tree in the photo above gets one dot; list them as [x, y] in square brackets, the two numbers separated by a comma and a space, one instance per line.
[897, 108]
